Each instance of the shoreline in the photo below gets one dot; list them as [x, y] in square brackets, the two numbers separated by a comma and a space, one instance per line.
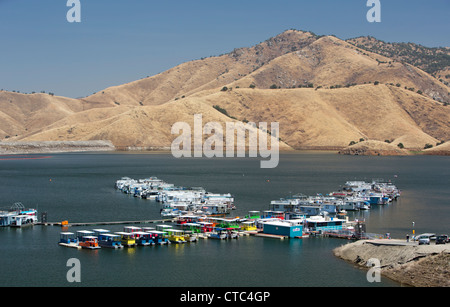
[49, 147]
[409, 264]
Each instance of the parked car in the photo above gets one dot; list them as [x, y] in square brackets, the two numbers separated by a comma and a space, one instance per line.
[424, 240]
[442, 239]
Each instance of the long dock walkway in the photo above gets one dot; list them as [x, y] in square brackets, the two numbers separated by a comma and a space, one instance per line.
[106, 223]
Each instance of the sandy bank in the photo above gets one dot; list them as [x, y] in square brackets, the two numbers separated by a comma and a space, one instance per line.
[408, 264]
[54, 147]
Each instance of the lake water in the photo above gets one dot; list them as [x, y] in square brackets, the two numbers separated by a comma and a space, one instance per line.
[79, 187]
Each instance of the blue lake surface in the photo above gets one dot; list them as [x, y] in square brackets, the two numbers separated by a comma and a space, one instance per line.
[79, 187]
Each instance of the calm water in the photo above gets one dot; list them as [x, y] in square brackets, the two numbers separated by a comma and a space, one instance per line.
[80, 188]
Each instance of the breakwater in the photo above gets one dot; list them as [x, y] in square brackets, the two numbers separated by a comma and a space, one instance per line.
[405, 262]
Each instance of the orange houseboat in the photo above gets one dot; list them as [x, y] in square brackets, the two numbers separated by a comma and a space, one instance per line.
[89, 242]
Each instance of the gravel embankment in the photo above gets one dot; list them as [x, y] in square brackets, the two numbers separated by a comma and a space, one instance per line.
[54, 147]
[408, 264]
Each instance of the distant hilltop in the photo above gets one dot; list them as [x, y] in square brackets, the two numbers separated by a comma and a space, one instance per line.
[326, 93]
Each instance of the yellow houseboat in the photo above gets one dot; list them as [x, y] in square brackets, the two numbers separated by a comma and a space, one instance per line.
[176, 235]
[248, 226]
[128, 239]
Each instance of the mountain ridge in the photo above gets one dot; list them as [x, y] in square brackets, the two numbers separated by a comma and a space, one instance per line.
[324, 91]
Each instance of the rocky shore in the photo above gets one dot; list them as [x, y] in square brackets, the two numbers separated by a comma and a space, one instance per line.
[407, 263]
[7, 148]
[374, 148]
[378, 148]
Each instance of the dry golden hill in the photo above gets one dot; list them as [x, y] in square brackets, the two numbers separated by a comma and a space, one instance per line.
[332, 63]
[340, 104]
[146, 127]
[333, 118]
[204, 74]
[291, 59]
[22, 114]
[435, 61]
[308, 118]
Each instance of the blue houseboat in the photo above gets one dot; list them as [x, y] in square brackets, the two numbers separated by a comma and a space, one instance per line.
[159, 237]
[289, 228]
[320, 223]
[110, 240]
[378, 199]
[144, 238]
[68, 239]
[218, 233]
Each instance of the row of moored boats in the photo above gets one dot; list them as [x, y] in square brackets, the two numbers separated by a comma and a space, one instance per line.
[185, 231]
[354, 196]
[177, 200]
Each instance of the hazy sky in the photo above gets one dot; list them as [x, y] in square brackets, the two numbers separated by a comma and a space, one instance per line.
[119, 41]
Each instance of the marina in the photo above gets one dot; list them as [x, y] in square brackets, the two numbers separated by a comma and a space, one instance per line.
[192, 213]
[295, 217]
[179, 201]
[98, 202]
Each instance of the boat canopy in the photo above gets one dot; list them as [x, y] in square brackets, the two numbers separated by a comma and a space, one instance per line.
[122, 233]
[147, 229]
[164, 226]
[158, 233]
[132, 228]
[66, 234]
[109, 235]
[141, 233]
[85, 233]
[100, 230]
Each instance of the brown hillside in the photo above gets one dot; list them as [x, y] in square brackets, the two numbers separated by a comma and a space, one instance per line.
[140, 127]
[330, 62]
[204, 74]
[22, 114]
[333, 118]
[435, 61]
[308, 118]
[343, 103]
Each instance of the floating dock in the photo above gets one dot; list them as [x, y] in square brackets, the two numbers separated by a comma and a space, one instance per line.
[72, 245]
[104, 223]
[265, 235]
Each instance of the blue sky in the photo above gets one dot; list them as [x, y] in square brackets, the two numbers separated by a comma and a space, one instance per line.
[119, 41]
